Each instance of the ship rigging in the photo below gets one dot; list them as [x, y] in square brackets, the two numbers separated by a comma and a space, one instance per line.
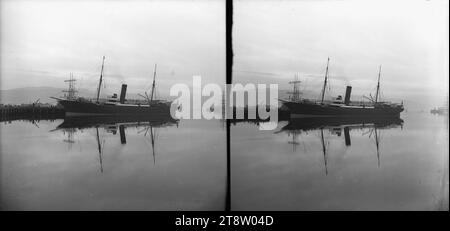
[300, 107]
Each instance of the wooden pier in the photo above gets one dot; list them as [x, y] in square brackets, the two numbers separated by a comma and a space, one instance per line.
[30, 112]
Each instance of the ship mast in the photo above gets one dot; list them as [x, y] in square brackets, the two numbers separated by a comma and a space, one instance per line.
[153, 143]
[296, 92]
[324, 149]
[99, 150]
[294, 141]
[378, 146]
[378, 86]
[71, 93]
[153, 85]
[325, 82]
[101, 79]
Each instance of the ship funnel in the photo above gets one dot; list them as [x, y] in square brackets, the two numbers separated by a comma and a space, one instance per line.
[348, 92]
[123, 139]
[122, 93]
[347, 136]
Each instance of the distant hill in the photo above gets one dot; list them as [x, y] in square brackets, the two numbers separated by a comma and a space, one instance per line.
[31, 94]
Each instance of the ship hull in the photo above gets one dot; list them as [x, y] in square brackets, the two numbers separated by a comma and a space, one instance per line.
[306, 124]
[82, 122]
[307, 110]
[87, 108]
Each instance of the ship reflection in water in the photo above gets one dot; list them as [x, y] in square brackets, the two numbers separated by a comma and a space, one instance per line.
[115, 124]
[337, 126]
[113, 163]
[341, 164]
[125, 163]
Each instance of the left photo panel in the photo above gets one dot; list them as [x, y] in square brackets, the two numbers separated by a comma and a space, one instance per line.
[89, 96]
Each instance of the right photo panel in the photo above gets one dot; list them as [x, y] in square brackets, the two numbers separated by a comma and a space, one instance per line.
[339, 105]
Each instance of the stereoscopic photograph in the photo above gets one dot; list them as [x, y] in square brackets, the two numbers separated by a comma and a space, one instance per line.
[85, 101]
[244, 105]
[362, 105]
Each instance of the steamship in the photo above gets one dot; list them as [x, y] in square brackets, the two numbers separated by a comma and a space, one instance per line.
[304, 108]
[79, 106]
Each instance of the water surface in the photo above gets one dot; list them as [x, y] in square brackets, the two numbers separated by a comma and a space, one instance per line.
[318, 165]
[287, 169]
[70, 169]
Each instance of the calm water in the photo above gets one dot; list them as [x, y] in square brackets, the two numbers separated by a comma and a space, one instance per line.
[63, 169]
[318, 165]
[289, 170]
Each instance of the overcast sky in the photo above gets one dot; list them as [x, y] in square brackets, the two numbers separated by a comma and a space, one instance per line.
[273, 40]
[43, 41]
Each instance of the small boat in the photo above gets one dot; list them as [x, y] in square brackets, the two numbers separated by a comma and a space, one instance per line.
[441, 110]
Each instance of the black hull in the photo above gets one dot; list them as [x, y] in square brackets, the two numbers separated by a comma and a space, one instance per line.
[309, 109]
[306, 124]
[82, 122]
[82, 108]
